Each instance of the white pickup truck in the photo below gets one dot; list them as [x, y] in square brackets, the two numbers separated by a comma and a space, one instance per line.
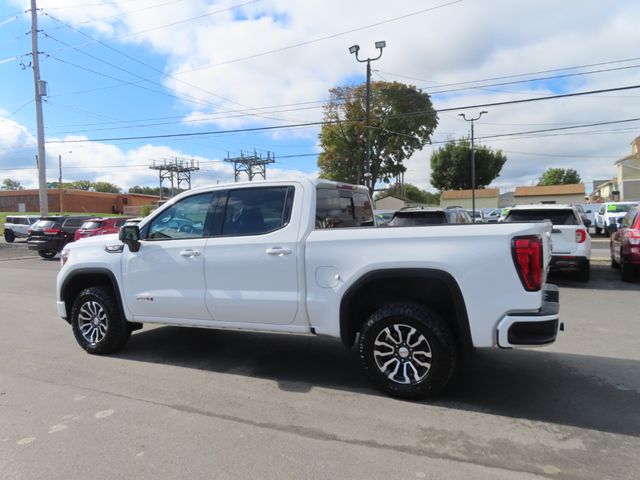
[305, 257]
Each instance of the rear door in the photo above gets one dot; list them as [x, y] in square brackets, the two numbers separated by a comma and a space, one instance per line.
[251, 264]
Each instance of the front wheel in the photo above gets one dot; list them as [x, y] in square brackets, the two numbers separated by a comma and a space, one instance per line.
[47, 253]
[96, 321]
[407, 350]
[598, 230]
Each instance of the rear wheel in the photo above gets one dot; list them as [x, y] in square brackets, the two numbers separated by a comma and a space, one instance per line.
[614, 263]
[9, 236]
[407, 350]
[598, 230]
[96, 321]
[47, 253]
[628, 271]
[584, 274]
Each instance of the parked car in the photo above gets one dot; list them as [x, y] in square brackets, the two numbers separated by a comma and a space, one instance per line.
[606, 218]
[570, 240]
[590, 210]
[479, 215]
[492, 215]
[50, 234]
[100, 226]
[17, 226]
[417, 216]
[625, 245]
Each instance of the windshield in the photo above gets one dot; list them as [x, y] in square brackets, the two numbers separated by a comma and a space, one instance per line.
[619, 207]
[411, 219]
[91, 225]
[555, 216]
[44, 224]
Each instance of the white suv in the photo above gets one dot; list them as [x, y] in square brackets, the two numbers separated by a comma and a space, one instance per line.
[607, 217]
[570, 240]
[16, 226]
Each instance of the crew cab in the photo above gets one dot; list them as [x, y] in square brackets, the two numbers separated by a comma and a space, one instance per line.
[305, 257]
[570, 240]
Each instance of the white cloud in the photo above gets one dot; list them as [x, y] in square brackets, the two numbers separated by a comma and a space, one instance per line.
[474, 39]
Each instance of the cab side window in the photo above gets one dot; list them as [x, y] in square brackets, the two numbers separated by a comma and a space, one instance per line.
[185, 219]
[342, 209]
[256, 211]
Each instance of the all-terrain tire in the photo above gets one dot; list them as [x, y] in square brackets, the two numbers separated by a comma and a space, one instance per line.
[97, 323]
[9, 236]
[407, 350]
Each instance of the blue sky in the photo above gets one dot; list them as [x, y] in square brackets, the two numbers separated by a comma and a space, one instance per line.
[119, 68]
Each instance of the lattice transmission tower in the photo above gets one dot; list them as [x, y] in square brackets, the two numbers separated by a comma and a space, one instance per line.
[252, 165]
[177, 171]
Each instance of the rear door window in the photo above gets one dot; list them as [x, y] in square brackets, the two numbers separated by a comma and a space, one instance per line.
[555, 216]
[256, 211]
[341, 208]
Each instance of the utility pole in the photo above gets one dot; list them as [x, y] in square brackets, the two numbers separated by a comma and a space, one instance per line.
[40, 91]
[473, 164]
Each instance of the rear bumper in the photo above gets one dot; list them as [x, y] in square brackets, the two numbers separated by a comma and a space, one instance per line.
[567, 262]
[45, 244]
[530, 329]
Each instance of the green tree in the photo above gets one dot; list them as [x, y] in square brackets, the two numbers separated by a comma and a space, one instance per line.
[402, 121]
[10, 184]
[451, 165]
[105, 187]
[81, 185]
[559, 176]
[411, 192]
[166, 192]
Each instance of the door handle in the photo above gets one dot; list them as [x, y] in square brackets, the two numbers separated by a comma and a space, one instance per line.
[279, 251]
[190, 253]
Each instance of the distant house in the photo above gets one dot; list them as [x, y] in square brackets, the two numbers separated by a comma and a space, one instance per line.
[506, 199]
[485, 198]
[393, 202]
[572, 193]
[628, 174]
[606, 191]
[75, 201]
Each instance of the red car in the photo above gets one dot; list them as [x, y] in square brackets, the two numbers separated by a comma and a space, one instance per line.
[625, 245]
[100, 226]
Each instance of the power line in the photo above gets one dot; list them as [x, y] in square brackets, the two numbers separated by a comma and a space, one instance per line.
[311, 124]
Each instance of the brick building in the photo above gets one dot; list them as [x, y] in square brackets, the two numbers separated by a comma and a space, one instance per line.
[76, 201]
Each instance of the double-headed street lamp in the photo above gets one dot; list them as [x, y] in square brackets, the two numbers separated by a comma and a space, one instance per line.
[355, 49]
[473, 164]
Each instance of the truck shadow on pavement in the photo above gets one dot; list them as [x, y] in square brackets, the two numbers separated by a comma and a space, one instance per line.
[603, 277]
[582, 391]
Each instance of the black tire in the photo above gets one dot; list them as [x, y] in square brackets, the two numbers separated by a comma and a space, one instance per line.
[598, 230]
[614, 264]
[584, 274]
[47, 253]
[628, 271]
[9, 236]
[96, 321]
[393, 323]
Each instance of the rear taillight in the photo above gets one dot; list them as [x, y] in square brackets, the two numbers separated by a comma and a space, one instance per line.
[51, 231]
[29, 231]
[527, 256]
[581, 235]
[634, 238]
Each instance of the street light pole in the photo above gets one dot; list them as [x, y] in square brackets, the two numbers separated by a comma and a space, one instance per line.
[355, 49]
[473, 163]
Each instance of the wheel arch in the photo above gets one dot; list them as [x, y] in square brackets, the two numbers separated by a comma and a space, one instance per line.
[433, 288]
[83, 278]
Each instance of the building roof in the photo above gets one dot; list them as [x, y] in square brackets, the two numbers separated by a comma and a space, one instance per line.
[571, 189]
[67, 191]
[460, 194]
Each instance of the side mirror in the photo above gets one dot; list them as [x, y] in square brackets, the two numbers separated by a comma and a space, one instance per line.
[130, 236]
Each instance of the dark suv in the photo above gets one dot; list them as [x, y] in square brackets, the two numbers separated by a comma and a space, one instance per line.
[416, 216]
[50, 234]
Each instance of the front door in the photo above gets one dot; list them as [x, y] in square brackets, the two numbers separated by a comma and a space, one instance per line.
[164, 280]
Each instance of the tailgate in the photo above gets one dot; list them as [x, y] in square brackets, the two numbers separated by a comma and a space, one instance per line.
[563, 238]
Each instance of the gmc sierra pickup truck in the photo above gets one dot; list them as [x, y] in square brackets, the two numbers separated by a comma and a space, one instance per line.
[305, 257]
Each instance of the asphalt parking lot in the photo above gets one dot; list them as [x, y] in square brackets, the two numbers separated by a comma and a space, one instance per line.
[204, 404]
